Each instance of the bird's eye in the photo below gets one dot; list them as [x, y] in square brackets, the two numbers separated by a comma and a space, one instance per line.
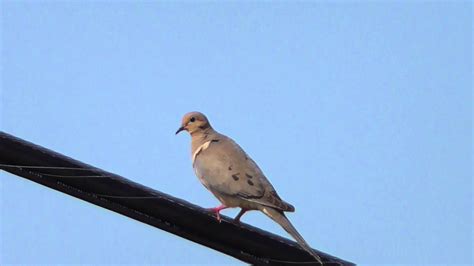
[192, 119]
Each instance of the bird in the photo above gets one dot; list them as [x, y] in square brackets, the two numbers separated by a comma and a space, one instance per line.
[229, 173]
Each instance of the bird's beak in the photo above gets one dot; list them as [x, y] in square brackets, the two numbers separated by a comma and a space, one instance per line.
[179, 130]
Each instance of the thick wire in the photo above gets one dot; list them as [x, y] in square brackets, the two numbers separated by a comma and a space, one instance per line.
[114, 196]
[77, 176]
[47, 167]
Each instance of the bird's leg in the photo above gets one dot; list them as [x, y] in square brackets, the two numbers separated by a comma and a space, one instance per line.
[216, 210]
[242, 212]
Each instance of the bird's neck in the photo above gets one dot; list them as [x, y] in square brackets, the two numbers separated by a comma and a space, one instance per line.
[200, 137]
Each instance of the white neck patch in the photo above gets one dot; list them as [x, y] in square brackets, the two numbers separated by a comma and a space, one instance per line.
[203, 146]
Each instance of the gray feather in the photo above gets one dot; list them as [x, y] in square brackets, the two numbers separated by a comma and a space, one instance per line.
[279, 217]
[226, 170]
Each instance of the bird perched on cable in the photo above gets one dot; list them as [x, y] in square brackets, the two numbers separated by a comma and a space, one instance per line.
[233, 177]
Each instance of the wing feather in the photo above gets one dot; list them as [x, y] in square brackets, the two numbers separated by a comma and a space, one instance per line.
[224, 167]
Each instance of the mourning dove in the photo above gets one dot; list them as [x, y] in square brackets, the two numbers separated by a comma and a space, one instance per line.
[233, 177]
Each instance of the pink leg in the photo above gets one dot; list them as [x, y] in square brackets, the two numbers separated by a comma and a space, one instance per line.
[216, 210]
[242, 212]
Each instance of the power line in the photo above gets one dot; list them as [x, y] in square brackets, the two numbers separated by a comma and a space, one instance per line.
[241, 241]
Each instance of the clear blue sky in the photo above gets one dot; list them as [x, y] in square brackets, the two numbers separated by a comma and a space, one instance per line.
[360, 114]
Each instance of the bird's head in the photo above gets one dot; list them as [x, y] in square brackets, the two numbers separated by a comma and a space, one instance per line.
[194, 122]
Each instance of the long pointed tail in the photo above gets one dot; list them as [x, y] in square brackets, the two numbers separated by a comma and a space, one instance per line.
[280, 218]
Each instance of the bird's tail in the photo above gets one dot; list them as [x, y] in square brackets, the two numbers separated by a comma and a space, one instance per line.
[279, 217]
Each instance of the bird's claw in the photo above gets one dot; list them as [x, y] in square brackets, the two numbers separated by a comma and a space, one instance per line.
[216, 211]
[218, 216]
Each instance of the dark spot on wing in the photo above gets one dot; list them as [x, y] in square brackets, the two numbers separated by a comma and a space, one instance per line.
[235, 177]
[230, 168]
[248, 176]
[250, 182]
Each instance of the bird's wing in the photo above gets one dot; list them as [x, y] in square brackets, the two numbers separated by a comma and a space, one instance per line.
[224, 167]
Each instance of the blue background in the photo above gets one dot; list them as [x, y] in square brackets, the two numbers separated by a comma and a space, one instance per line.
[360, 114]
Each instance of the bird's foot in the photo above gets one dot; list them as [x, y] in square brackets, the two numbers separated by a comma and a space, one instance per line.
[237, 218]
[216, 210]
